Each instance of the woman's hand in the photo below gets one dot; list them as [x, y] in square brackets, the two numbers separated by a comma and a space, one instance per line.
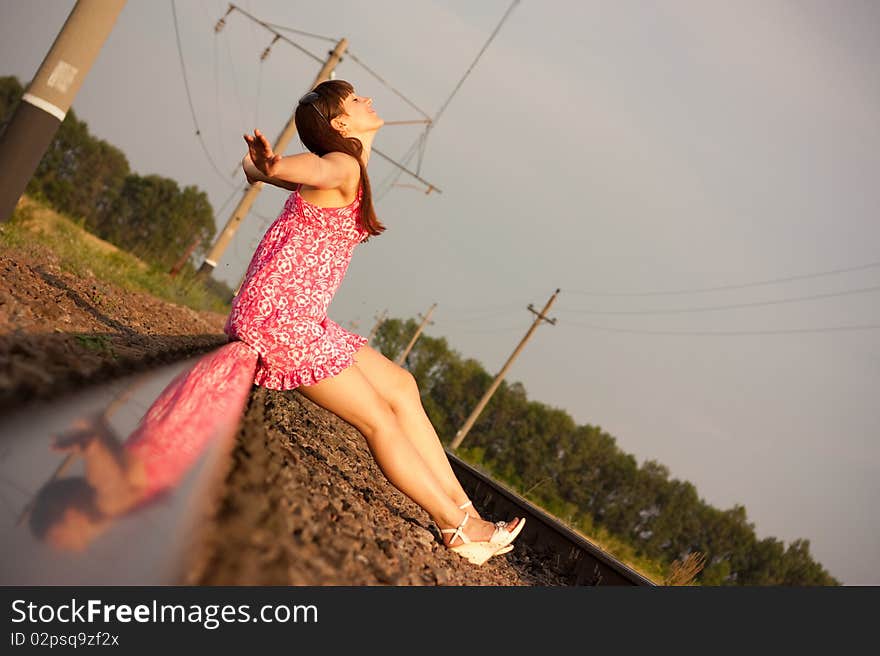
[261, 153]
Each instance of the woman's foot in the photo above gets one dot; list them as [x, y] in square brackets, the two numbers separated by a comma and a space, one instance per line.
[478, 541]
[477, 530]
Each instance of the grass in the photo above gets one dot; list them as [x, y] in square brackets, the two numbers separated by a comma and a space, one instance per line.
[97, 343]
[35, 227]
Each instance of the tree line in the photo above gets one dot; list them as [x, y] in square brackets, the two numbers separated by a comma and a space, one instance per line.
[578, 473]
[90, 180]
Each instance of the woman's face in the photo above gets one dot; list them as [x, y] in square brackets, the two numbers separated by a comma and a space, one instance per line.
[359, 117]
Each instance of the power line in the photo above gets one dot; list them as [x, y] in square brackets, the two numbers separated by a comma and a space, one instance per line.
[402, 168]
[796, 299]
[726, 287]
[474, 63]
[722, 333]
[189, 100]
[259, 89]
[217, 104]
[278, 35]
[360, 62]
[226, 202]
[483, 317]
[394, 176]
[421, 141]
[395, 91]
[311, 34]
[235, 85]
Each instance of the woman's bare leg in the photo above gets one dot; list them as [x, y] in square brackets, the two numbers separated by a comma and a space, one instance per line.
[399, 389]
[350, 396]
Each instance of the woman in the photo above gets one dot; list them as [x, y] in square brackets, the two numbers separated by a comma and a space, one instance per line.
[280, 311]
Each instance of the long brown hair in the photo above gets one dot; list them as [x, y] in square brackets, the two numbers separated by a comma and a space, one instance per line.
[319, 136]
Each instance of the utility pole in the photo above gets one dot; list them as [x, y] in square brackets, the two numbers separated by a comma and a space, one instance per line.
[250, 195]
[379, 321]
[402, 356]
[183, 258]
[50, 94]
[460, 435]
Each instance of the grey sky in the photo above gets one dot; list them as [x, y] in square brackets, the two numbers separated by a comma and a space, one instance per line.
[606, 147]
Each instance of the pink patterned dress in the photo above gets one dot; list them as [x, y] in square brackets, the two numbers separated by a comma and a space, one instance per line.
[281, 309]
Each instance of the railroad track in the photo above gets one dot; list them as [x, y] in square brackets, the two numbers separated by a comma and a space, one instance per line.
[574, 558]
[27, 462]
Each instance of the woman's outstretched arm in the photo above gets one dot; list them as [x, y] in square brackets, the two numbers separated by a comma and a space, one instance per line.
[253, 174]
[331, 171]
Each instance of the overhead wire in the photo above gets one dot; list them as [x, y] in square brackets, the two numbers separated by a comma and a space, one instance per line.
[235, 85]
[712, 308]
[279, 36]
[383, 81]
[395, 174]
[421, 141]
[192, 109]
[296, 31]
[482, 317]
[476, 59]
[360, 62]
[217, 104]
[727, 287]
[720, 333]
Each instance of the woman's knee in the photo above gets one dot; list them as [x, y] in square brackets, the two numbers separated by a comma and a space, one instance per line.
[405, 390]
[380, 420]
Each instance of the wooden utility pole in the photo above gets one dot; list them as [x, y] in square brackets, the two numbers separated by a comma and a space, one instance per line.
[183, 258]
[402, 356]
[379, 321]
[50, 94]
[460, 435]
[253, 190]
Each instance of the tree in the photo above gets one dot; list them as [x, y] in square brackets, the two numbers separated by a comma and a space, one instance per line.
[79, 175]
[89, 179]
[11, 92]
[153, 218]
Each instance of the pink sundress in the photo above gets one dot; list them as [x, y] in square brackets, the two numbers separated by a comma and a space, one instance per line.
[281, 309]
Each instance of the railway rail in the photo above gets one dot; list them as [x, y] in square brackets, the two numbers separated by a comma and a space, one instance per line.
[575, 558]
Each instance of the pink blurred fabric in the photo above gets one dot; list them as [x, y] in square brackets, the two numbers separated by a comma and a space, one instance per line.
[199, 407]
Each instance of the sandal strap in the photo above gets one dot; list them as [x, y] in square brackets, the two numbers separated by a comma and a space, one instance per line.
[458, 532]
[465, 504]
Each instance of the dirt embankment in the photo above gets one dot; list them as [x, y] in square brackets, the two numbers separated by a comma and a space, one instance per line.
[305, 504]
[58, 330]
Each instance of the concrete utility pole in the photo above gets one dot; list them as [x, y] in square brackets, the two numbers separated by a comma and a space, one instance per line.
[402, 356]
[460, 435]
[379, 320]
[50, 94]
[253, 190]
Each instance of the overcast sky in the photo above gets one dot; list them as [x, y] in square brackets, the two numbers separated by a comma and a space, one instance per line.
[608, 149]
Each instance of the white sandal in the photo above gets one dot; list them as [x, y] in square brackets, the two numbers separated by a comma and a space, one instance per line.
[479, 552]
[502, 550]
